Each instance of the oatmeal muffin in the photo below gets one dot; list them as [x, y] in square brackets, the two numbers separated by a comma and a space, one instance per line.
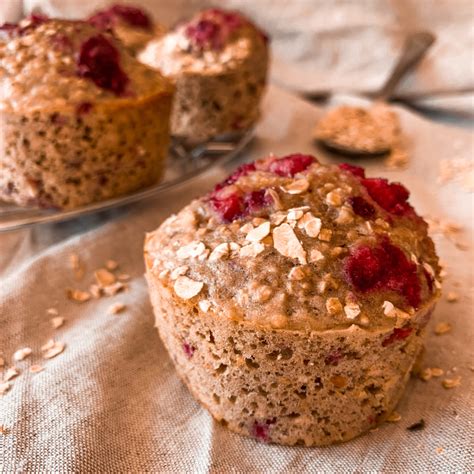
[293, 298]
[81, 119]
[131, 25]
[218, 61]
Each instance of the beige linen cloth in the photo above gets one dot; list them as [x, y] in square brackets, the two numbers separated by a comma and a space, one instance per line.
[111, 402]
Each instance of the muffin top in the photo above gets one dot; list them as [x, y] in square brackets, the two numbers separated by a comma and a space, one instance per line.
[133, 26]
[293, 244]
[51, 64]
[212, 41]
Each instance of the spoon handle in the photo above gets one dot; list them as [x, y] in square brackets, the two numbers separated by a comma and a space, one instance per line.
[415, 47]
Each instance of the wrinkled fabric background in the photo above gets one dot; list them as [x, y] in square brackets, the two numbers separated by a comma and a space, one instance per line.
[111, 402]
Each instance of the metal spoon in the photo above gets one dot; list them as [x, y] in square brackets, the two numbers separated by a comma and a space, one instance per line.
[358, 131]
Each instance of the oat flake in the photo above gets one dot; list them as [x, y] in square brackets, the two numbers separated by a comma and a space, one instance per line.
[286, 242]
[11, 373]
[258, 233]
[251, 250]
[52, 349]
[116, 308]
[104, 278]
[22, 354]
[4, 387]
[57, 322]
[186, 288]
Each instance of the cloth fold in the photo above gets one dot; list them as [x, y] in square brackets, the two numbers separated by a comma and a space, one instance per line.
[111, 401]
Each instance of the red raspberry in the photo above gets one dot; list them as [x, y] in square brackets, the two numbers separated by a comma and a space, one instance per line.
[99, 61]
[355, 170]
[398, 334]
[391, 196]
[384, 267]
[290, 165]
[228, 208]
[361, 207]
[188, 349]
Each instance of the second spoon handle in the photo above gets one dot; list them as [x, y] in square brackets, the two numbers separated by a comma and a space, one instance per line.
[415, 47]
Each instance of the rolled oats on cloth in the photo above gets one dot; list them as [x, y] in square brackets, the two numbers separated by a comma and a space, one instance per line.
[111, 400]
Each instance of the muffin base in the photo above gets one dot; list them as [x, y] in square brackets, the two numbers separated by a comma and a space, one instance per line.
[282, 386]
[65, 160]
[209, 104]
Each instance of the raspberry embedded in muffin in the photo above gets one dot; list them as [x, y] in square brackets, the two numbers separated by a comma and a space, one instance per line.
[303, 293]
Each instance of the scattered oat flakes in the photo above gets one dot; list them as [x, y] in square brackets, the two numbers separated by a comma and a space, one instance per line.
[296, 273]
[104, 278]
[116, 308]
[451, 383]
[34, 369]
[394, 417]
[392, 311]
[437, 372]
[11, 373]
[251, 250]
[325, 235]
[258, 233]
[111, 265]
[276, 200]
[77, 266]
[123, 277]
[52, 349]
[186, 288]
[345, 216]
[452, 296]
[315, 256]
[78, 295]
[352, 310]
[220, 252]
[57, 322]
[112, 290]
[22, 354]
[52, 312]
[286, 242]
[179, 271]
[310, 224]
[95, 291]
[334, 198]
[442, 328]
[191, 250]
[4, 387]
[204, 305]
[333, 306]
[296, 187]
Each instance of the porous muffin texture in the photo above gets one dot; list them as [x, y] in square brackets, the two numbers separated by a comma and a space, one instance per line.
[133, 26]
[81, 119]
[218, 61]
[293, 298]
